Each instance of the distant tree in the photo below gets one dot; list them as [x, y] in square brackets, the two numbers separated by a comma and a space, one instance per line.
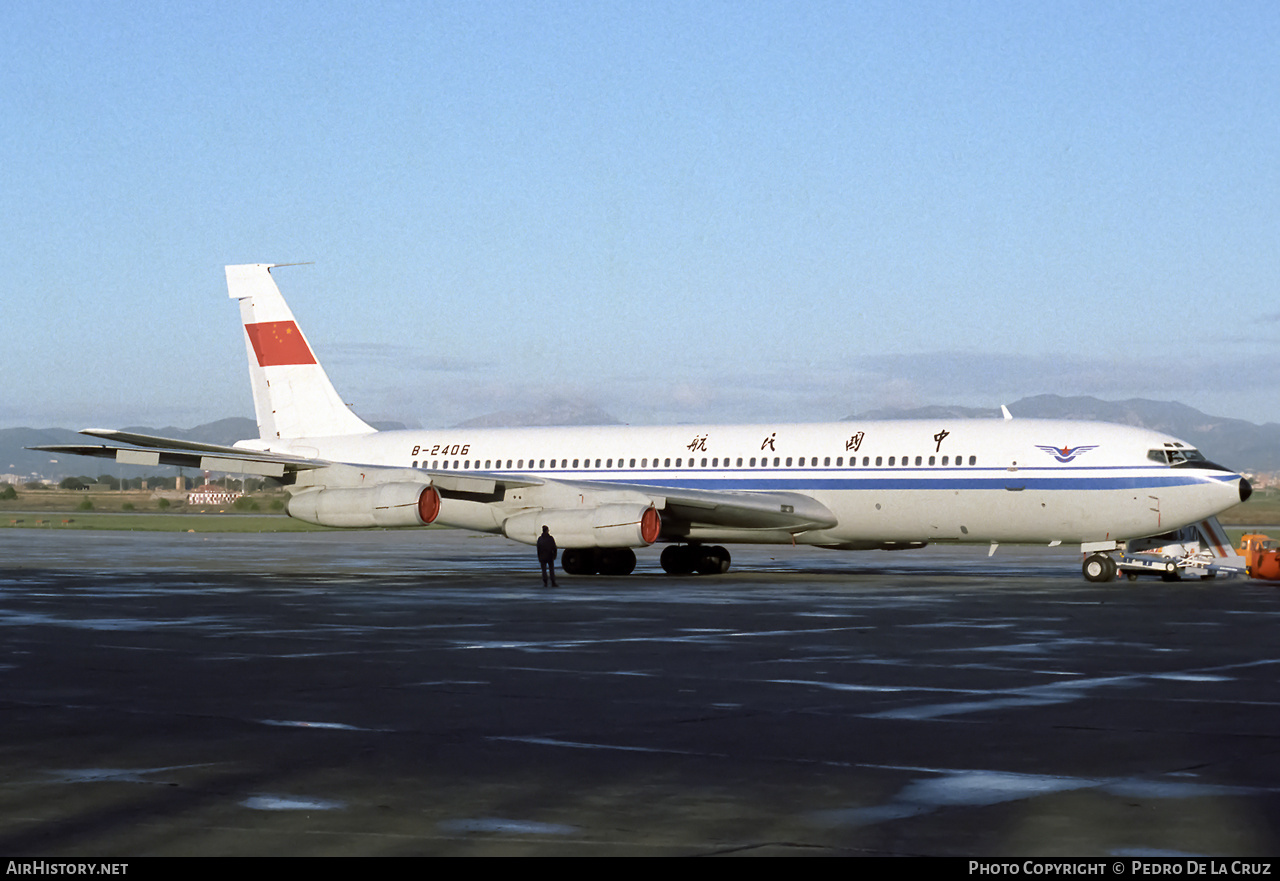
[71, 483]
[86, 505]
[8, 493]
[109, 481]
[163, 504]
[127, 506]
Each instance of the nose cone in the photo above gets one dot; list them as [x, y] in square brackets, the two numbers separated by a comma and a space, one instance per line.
[1246, 490]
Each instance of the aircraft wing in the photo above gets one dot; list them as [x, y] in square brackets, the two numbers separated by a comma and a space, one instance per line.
[184, 454]
[684, 511]
[169, 443]
[787, 511]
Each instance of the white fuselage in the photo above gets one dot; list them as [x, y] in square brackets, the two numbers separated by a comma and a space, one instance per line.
[944, 480]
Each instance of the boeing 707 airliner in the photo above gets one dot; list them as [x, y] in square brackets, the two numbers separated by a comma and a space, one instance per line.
[606, 491]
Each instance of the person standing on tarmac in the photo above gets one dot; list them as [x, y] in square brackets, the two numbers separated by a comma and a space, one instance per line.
[547, 556]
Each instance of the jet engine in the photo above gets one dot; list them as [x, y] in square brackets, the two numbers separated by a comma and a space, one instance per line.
[604, 526]
[390, 504]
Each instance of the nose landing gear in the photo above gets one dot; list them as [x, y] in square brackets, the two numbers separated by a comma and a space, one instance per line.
[1099, 568]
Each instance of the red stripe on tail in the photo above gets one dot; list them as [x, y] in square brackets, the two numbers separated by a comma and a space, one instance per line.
[279, 343]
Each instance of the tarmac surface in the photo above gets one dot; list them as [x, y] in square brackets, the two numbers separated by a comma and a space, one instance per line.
[420, 693]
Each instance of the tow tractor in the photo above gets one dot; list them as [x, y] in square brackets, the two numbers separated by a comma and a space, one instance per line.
[1263, 556]
[1201, 550]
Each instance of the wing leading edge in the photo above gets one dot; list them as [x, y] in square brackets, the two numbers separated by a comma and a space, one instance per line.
[486, 501]
[152, 450]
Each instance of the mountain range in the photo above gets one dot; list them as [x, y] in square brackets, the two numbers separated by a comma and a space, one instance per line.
[1235, 443]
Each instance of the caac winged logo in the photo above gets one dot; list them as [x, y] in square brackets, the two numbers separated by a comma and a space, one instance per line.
[1066, 454]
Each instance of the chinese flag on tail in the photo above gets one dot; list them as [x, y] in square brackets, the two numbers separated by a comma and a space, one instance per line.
[278, 343]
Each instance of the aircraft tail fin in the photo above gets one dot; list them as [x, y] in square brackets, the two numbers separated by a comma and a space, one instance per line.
[292, 395]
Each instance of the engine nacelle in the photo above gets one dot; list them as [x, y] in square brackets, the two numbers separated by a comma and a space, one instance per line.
[388, 505]
[604, 526]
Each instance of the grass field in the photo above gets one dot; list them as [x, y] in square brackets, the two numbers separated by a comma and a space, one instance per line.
[1263, 509]
[137, 510]
[134, 522]
[56, 500]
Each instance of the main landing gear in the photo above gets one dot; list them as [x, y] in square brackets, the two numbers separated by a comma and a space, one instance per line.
[602, 561]
[676, 560]
[687, 559]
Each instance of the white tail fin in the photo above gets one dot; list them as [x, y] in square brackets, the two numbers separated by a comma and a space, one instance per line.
[292, 396]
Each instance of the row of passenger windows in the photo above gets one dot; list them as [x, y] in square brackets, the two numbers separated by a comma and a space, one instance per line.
[778, 462]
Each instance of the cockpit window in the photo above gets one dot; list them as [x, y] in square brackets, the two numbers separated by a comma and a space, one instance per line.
[1172, 455]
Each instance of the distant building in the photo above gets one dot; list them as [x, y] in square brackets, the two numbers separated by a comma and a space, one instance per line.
[1264, 480]
[210, 494]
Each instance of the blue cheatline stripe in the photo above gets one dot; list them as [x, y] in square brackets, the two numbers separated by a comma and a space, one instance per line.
[892, 483]
[994, 479]
[910, 478]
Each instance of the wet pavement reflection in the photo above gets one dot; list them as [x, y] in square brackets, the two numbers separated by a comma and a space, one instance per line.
[420, 692]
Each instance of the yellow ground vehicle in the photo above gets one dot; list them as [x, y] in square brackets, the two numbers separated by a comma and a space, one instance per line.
[1263, 556]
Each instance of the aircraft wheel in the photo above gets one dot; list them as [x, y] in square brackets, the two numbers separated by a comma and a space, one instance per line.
[578, 561]
[1132, 576]
[1170, 573]
[717, 561]
[677, 559]
[725, 559]
[569, 561]
[1099, 568]
[617, 561]
[713, 561]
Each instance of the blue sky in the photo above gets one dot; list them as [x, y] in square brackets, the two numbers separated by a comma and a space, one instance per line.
[677, 212]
